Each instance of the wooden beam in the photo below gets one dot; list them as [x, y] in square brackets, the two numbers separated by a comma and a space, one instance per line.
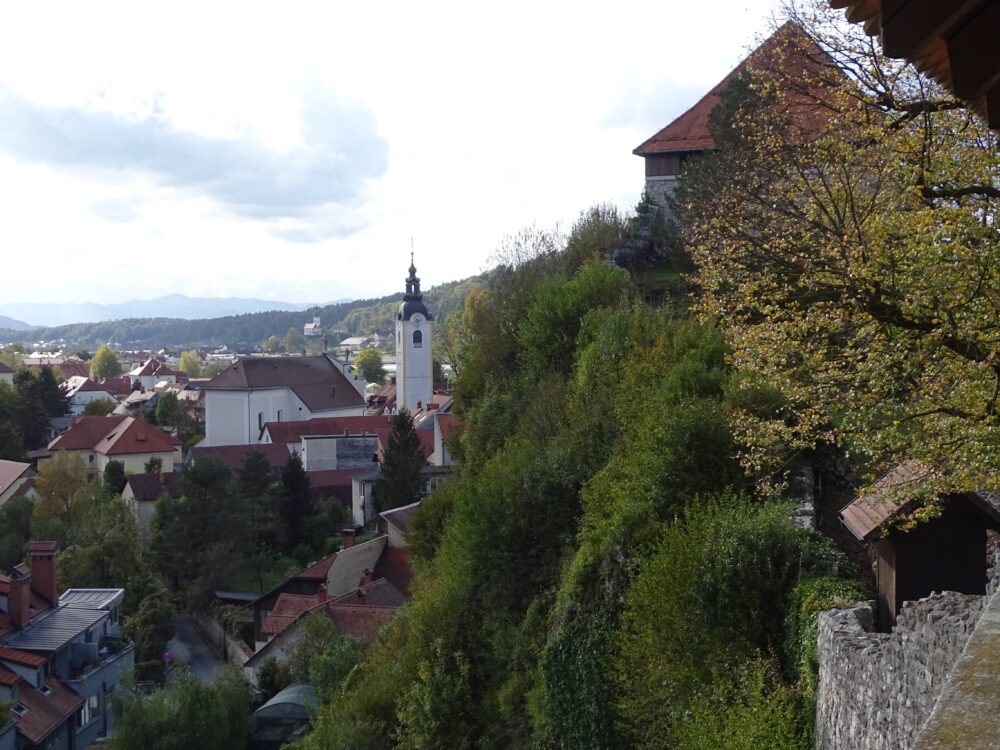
[974, 52]
[907, 24]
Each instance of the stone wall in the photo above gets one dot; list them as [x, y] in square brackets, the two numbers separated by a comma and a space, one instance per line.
[877, 690]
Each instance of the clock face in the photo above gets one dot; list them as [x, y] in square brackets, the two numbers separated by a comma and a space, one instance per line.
[418, 320]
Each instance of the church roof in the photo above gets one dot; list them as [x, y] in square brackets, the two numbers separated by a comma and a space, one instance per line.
[413, 300]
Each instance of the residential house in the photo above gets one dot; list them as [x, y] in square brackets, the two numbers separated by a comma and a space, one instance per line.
[945, 553]
[359, 588]
[153, 371]
[446, 425]
[73, 366]
[253, 391]
[141, 492]
[13, 476]
[81, 391]
[6, 374]
[116, 438]
[61, 657]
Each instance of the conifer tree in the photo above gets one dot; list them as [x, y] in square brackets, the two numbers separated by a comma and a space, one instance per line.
[296, 504]
[400, 482]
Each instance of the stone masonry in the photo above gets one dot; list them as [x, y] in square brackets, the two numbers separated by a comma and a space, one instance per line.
[877, 690]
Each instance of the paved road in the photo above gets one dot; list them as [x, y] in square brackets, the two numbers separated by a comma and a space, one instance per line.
[189, 647]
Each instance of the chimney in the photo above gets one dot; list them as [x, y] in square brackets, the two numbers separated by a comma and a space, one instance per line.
[348, 537]
[321, 593]
[366, 577]
[43, 570]
[19, 600]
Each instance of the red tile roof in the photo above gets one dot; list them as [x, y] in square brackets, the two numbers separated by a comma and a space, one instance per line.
[690, 131]
[45, 712]
[117, 386]
[21, 657]
[72, 367]
[5, 369]
[449, 424]
[401, 517]
[114, 436]
[8, 678]
[361, 621]
[288, 609]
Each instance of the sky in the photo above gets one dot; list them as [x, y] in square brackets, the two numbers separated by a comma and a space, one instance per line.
[293, 150]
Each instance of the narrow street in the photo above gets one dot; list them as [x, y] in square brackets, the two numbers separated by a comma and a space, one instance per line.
[189, 647]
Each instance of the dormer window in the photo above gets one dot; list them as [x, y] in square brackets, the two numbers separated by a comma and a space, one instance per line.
[19, 709]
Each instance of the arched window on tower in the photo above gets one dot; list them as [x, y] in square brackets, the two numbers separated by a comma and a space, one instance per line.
[418, 340]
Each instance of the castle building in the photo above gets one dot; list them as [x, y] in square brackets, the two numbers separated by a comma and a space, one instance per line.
[414, 346]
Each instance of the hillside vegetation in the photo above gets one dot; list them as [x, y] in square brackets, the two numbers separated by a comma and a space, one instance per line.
[599, 572]
[242, 332]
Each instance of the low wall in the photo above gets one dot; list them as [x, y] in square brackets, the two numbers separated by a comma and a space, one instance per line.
[227, 647]
[877, 690]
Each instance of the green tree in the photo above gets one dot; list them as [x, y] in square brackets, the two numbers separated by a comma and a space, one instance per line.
[434, 711]
[293, 342]
[399, 482]
[255, 488]
[190, 363]
[369, 364]
[167, 409]
[101, 407]
[52, 397]
[66, 491]
[295, 502]
[185, 713]
[153, 466]
[31, 418]
[15, 530]
[854, 268]
[114, 477]
[151, 626]
[105, 363]
[272, 345]
[330, 666]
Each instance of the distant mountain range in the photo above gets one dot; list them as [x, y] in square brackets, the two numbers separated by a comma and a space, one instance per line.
[14, 325]
[169, 306]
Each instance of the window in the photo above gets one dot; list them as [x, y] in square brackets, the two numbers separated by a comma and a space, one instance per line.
[418, 340]
[279, 415]
[19, 709]
[260, 420]
[89, 711]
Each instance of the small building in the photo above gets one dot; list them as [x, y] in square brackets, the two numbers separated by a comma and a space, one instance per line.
[947, 552]
[313, 329]
[283, 719]
[153, 371]
[131, 441]
[6, 374]
[81, 391]
[141, 492]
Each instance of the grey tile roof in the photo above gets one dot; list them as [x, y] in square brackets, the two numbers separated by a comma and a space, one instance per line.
[53, 631]
[92, 598]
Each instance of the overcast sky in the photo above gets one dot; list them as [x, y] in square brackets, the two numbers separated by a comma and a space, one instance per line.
[290, 150]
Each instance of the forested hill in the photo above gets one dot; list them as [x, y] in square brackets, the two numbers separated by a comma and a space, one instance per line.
[244, 331]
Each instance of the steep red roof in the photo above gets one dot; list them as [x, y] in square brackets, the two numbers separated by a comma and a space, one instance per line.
[288, 609]
[690, 131]
[401, 517]
[21, 657]
[72, 367]
[45, 712]
[117, 386]
[5, 369]
[114, 436]
[380, 593]
[449, 424]
[86, 433]
[866, 516]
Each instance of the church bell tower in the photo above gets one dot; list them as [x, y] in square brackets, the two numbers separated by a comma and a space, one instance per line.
[414, 346]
